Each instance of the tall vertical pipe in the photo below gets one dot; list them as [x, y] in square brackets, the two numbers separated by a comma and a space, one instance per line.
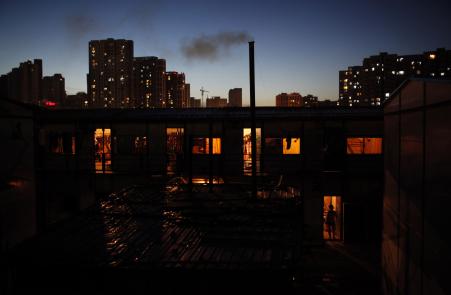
[253, 124]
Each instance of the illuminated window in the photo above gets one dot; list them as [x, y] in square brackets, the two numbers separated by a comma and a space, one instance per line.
[102, 146]
[432, 56]
[291, 146]
[174, 149]
[201, 145]
[285, 146]
[364, 145]
[247, 150]
[62, 143]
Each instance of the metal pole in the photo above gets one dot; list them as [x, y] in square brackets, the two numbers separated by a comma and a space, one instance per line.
[210, 157]
[190, 164]
[253, 130]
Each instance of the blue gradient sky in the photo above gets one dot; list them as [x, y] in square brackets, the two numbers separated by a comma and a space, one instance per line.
[300, 45]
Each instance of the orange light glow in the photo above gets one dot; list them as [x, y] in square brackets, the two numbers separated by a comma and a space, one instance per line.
[292, 146]
[364, 145]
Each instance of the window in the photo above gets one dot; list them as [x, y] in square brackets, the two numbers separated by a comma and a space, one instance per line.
[291, 146]
[62, 143]
[102, 145]
[364, 145]
[247, 150]
[285, 146]
[174, 150]
[201, 145]
[139, 145]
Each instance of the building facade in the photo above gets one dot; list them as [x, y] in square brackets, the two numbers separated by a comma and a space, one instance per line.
[329, 156]
[53, 89]
[416, 243]
[23, 83]
[149, 81]
[216, 102]
[194, 102]
[379, 75]
[110, 73]
[293, 99]
[175, 90]
[236, 97]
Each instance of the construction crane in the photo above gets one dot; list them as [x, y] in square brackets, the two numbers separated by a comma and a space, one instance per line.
[202, 91]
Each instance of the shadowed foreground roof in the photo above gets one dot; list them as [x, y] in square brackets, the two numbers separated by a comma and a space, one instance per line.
[141, 227]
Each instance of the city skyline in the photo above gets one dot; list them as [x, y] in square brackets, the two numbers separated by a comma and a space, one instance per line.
[59, 33]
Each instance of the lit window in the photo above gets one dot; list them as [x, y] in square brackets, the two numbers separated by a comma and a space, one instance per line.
[364, 145]
[102, 146]
[201, 145]
[291, 146]
[139, 145]
[62, 143]
[432, 56]
[401, 72]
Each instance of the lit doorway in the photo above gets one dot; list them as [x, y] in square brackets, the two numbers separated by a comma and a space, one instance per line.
[102, 147]
[332, 216]
[174, 150]
[247, 150]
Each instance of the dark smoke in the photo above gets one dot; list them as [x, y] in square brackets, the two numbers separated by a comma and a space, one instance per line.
[79, 26]
[213, 47]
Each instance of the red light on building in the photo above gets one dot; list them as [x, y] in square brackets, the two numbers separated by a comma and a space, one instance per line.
[49, 103]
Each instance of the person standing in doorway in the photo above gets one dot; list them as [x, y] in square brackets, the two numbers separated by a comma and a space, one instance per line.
[331, 221]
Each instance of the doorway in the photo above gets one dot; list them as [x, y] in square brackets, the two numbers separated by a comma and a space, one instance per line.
[332, 216]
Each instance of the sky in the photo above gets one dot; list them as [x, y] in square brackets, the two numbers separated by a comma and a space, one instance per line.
[299, 45]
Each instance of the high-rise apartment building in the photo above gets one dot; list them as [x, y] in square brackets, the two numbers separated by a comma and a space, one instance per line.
[293, 99]
[53, 89]
[236, 97]
[24, 82]
[110, 73]
[149, 81]
[187, 95]
[175, 90]
[379, 75]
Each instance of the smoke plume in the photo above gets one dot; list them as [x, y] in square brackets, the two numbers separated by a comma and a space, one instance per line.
[213, 47]
[78, 26]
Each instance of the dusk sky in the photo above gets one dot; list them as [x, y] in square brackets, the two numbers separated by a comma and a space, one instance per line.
[299, 45]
